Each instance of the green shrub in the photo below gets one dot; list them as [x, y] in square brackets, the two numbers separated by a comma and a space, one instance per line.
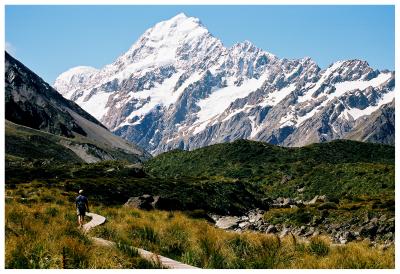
[145, 232]
[52, 211]
[240, 246]
[327, 205]
[106, 232]
[211, 256]
[318, 247]
[174, 240]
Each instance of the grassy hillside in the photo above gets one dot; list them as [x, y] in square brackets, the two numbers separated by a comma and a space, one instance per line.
[246, 159]
[337, 169]
[231, 178]
[113, 183]
[24, 144]
[27, 146]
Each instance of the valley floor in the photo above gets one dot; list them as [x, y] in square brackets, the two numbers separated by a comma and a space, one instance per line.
[41, 232]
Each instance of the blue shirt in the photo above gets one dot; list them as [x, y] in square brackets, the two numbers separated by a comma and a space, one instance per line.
[81, 202]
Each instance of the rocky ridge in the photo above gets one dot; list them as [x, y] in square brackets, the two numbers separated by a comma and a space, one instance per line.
[179, 87]
[40, 122]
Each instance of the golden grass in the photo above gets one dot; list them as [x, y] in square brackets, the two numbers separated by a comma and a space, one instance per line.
[45, 235]
[41, 232]
[196, 242]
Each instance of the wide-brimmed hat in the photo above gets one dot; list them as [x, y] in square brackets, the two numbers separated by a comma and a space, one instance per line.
[81, 191]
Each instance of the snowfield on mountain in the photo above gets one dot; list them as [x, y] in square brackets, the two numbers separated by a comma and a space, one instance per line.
[178, 86]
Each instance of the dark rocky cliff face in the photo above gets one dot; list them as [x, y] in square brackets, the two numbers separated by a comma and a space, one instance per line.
[31, 102]
[379, 127]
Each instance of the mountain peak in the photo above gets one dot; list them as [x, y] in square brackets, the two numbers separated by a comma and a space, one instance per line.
[180, 24]
[179, 86]
[244, 45]
[72, 77]
[179, 16]
[160, 43]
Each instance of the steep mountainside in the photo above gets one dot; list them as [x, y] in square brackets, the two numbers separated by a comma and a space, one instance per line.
[377, 127]
[179, 87]
[55, 124]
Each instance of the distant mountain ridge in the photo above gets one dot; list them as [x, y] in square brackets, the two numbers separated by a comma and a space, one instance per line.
[179, 87]
[74, 133]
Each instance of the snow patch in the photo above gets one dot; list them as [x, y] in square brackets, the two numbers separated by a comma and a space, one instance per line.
[344, 87]
[96, 105]
[308, 95]
[161, 94]
[74, 77]
[246, 108]
[287, 120]
[276, 97]
[357, 113]
[220, 99]
[255, 129]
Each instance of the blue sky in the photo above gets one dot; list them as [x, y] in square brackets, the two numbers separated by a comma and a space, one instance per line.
[52, 39]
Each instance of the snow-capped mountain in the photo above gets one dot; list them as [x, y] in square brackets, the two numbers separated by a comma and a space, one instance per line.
[33, 107]
[179, 87]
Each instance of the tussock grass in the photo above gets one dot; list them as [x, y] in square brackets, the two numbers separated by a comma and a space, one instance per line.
[42, 234]
[196, 242]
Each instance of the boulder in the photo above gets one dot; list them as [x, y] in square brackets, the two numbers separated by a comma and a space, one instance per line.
[383, 218]
[262, 227]
[373, 221]
[346, 237]
[283, 202]
[146, 202]
[271, 229]
[287, 201]
[228, 222]
[301, 230]
[316, 199]
[255, 218]
[316, 233]
[284, 232]
[310, 232]
[244, 218]
[301, 190]
[244, 225]
[285, 179]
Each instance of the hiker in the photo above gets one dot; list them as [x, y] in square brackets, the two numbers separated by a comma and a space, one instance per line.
[82, 206]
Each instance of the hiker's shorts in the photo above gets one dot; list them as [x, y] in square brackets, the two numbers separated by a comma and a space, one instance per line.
[80, 212]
